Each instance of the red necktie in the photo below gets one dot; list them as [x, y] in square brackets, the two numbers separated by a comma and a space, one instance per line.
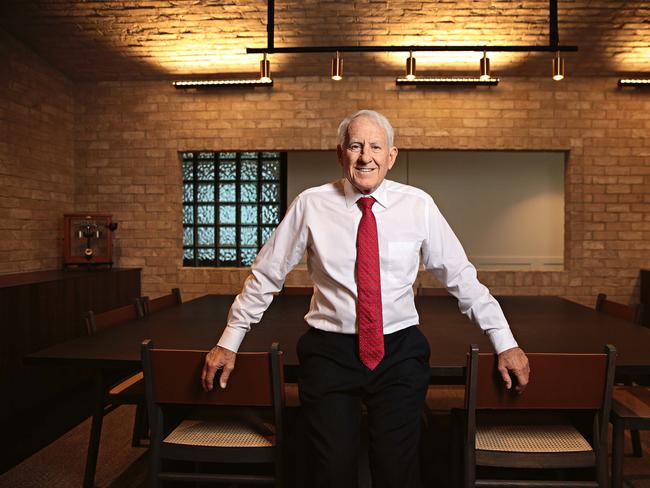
[369, 316]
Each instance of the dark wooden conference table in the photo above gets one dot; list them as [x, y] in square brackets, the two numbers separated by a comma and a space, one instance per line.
[540, 324]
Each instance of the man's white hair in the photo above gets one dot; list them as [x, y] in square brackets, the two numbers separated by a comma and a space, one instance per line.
[371, 114]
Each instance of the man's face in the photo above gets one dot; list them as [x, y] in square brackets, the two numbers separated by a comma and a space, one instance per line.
[365, 156]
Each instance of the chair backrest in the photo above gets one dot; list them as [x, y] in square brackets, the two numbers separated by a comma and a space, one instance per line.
[626, 312]
[160, 303]
[173, 376]
[297, 290]
[424, 291]
[559, 381]
[99, 321]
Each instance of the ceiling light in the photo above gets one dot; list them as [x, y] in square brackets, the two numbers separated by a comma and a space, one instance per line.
[410, 77]
[263, 80]
[642, 82]
[337, 67]
[410, 67]
[265, 69]
[446, 80]
[484, 67]
[558, 67]
[221, 83]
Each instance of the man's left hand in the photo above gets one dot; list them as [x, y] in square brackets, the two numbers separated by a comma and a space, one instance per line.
[514, 361]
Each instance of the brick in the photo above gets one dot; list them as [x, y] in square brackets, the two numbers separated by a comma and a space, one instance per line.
[115, 148]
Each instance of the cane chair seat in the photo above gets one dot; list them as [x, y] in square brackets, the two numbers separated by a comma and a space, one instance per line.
[531, 438]
[222, 433]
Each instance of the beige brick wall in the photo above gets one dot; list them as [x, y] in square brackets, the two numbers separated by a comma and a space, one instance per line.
[113, 147]
[36, 159]
[128, 135]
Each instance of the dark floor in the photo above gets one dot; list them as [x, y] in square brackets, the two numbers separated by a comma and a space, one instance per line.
[35, 428]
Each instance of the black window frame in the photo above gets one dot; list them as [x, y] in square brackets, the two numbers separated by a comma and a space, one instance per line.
[239, 157]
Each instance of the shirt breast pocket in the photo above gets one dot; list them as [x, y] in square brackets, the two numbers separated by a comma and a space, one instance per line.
[403, 260]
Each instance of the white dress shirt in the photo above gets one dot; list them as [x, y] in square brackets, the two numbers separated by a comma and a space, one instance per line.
[324, 221]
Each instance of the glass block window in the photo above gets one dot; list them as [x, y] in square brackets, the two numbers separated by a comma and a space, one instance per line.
[232, 203]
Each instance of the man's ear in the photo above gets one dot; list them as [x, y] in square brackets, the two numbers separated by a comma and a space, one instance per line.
[339, 154]
[392, 157]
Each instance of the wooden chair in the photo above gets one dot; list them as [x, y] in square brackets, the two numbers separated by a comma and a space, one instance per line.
[160, 303]
[625, 312]
[424, 291]
[536, 429]
[440, 399]
[630, 402]
[444, 398]
[621, 409]
[292, 396]
[110, 393]
[297, 290]
[630, 410]
[96, 322]
[250, 431]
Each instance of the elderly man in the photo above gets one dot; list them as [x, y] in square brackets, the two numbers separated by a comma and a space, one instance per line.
[365, 238]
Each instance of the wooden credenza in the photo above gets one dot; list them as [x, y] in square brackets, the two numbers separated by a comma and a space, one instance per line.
[43, 308]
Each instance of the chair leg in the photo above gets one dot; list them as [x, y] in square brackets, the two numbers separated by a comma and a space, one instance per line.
[456, 453]
[469, 473]
[617, 454]
[636, 443]
[140, 425]
[279, 471]
[154, 464]
[95, 433]
[469, 467]
[601, 465]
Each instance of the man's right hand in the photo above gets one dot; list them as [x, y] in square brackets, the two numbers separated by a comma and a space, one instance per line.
[218, 358]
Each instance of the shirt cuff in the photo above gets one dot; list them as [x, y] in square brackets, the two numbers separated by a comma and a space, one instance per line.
[231, 338]
[502, 339]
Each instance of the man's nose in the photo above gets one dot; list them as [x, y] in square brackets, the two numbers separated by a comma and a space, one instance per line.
[365, 155]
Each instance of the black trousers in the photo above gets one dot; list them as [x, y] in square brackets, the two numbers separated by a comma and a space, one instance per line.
[333, 385]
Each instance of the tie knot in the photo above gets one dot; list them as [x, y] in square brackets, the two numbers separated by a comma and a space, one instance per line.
[366, 203]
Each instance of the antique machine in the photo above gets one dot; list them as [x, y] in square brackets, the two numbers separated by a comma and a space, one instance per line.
[88, 239]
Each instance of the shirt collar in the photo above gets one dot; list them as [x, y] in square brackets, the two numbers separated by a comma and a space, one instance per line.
[352, 194]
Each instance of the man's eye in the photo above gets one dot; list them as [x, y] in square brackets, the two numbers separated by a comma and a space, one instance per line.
[355, 147]
[376, 148]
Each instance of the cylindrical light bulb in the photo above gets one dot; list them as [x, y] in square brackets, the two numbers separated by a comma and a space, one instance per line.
[337, 67]
[410, 67]
[265, 69]
[558, 67]
[485, 68]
